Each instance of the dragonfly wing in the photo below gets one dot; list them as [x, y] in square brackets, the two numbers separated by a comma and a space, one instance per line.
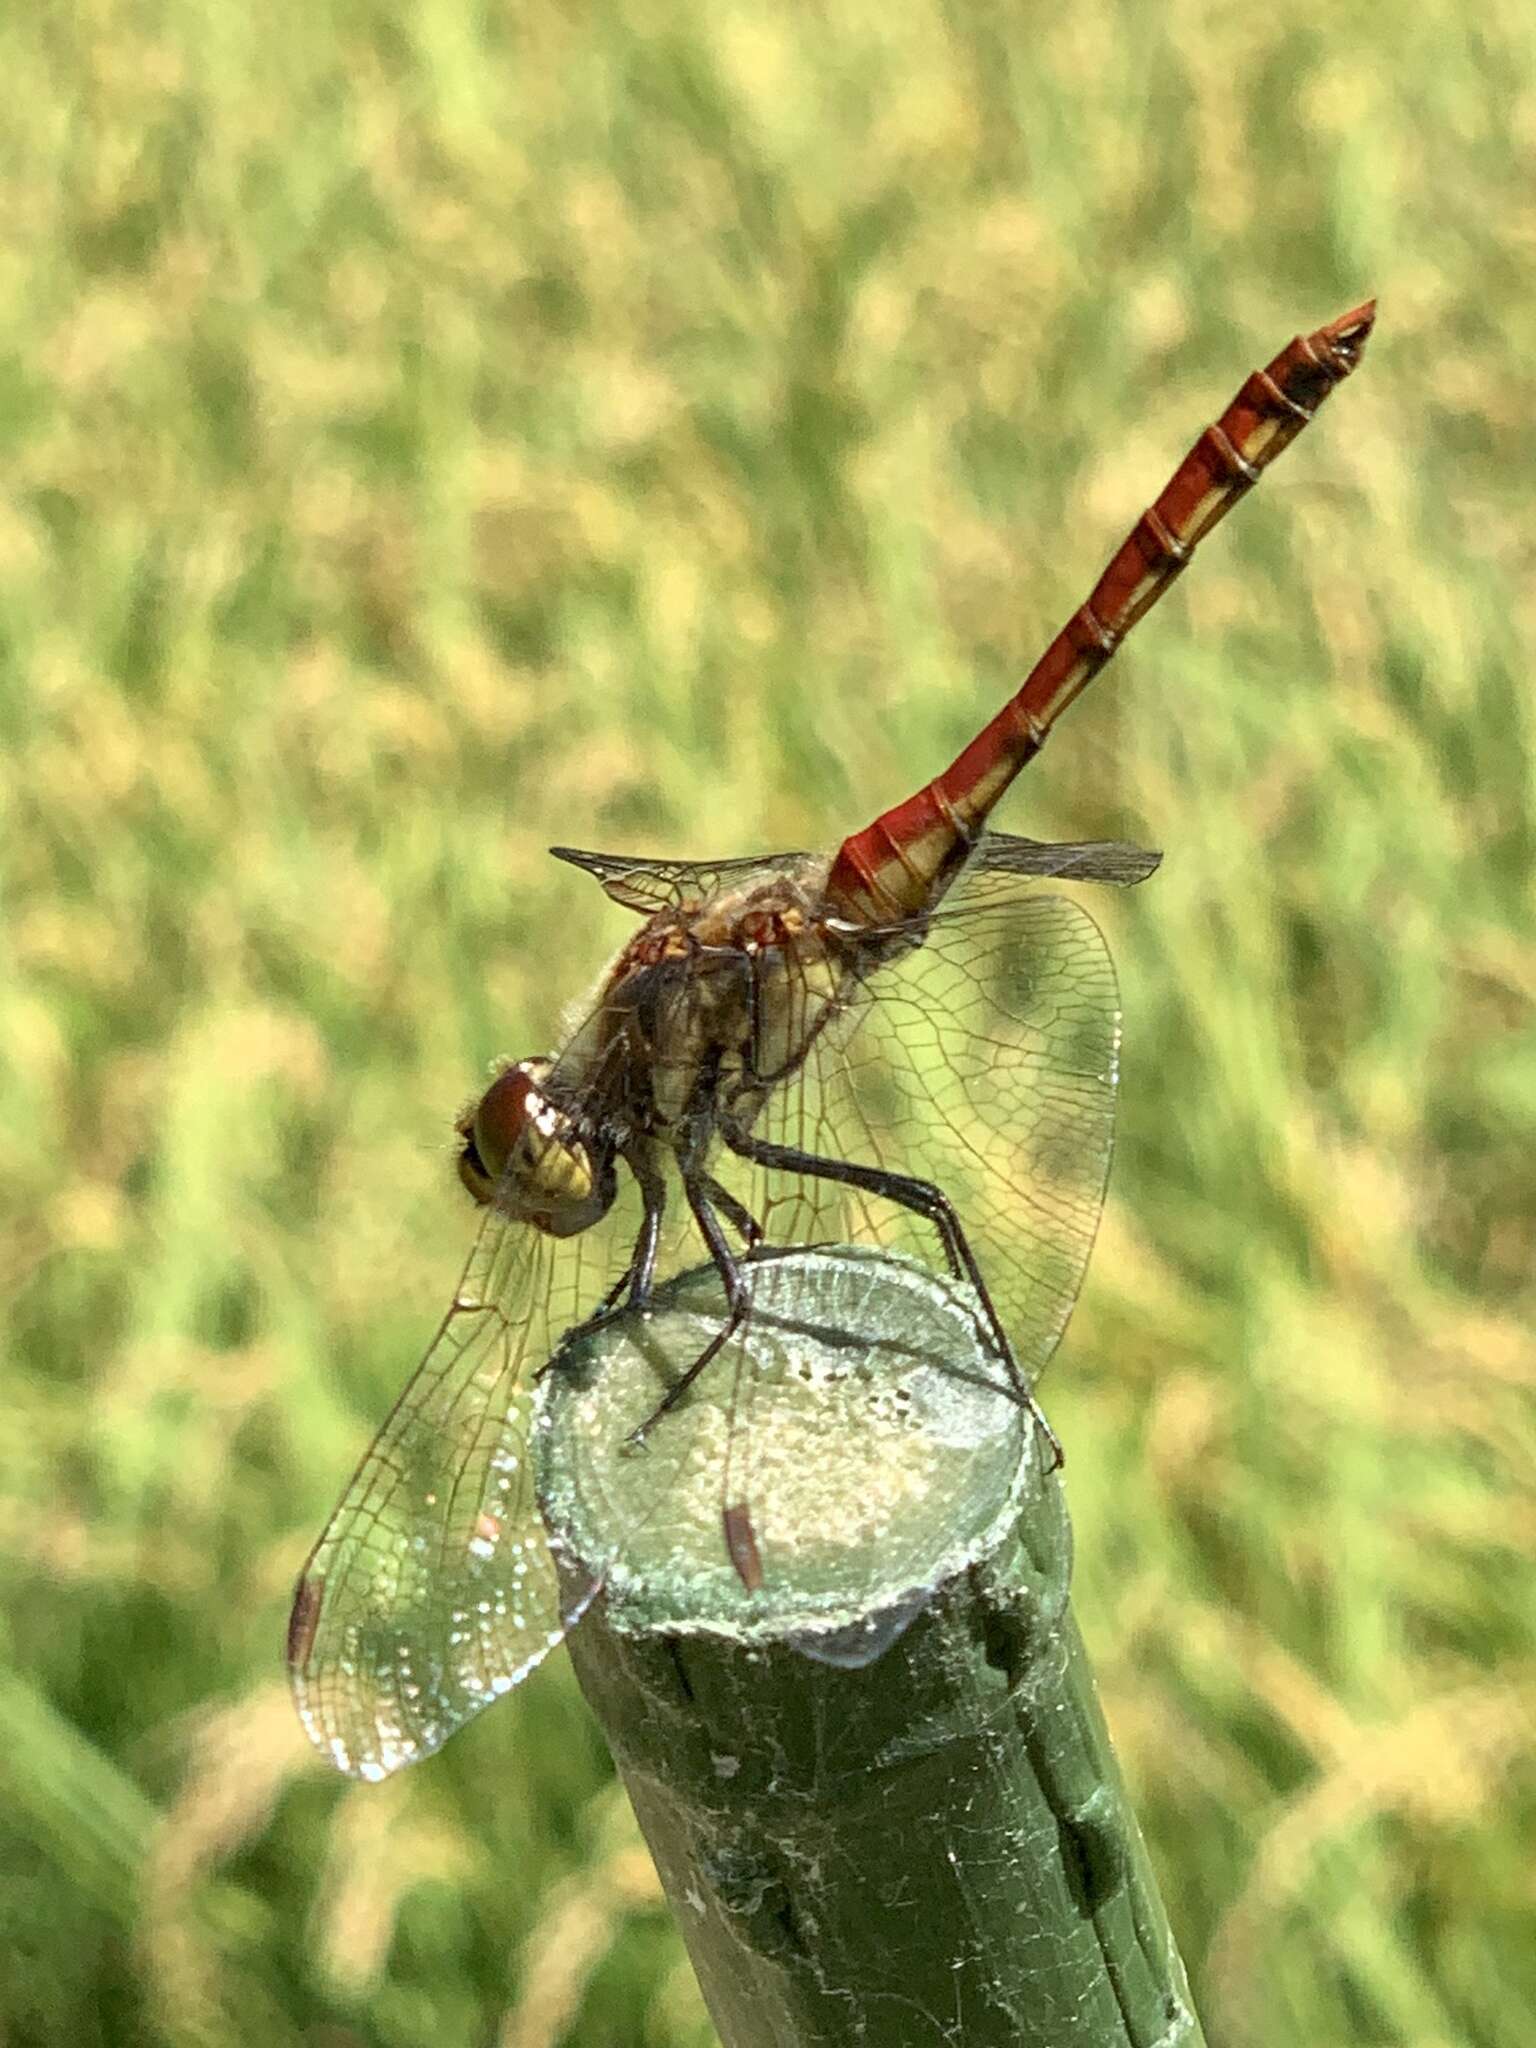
[983, 1059]
[1090, 860]
[432, 1590]
[649, 885]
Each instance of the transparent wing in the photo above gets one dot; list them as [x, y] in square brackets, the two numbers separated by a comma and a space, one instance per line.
[432, 1590]
[649, 885]
[983, 1060]
[1088, 860]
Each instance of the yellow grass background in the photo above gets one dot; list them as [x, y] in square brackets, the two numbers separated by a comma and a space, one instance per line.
[431, 432]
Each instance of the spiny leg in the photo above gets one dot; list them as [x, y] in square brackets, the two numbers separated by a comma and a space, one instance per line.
[736, 1213]
[632, 1289]
[925, 1200]
[704, 1194]
[696, 1187]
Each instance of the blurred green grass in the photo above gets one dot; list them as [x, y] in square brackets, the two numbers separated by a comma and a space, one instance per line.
[431, 433]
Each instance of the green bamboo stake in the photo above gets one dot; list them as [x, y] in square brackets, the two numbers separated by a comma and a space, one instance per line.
[926, 1845]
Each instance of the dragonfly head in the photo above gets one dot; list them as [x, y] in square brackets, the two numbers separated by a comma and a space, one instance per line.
[532, 1159]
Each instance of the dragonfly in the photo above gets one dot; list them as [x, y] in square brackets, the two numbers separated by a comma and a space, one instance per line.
[908, 1042]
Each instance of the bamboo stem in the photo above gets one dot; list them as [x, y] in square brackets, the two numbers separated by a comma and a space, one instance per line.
[929, 1844]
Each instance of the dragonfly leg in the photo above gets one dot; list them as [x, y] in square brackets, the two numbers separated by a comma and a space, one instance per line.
[632, 1289]
[701, 1192]
[737, 1214]
[925, 1200]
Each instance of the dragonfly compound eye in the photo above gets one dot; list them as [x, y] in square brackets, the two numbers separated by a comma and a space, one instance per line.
[531, 1158]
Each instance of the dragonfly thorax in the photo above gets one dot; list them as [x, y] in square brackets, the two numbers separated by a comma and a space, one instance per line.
[532, 1159]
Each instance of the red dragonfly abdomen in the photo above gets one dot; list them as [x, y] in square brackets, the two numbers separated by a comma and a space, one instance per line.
[901, 864]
